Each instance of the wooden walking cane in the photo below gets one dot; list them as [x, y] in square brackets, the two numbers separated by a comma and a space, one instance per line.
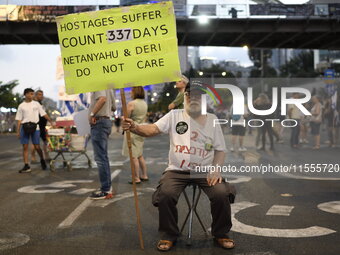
[128, 139]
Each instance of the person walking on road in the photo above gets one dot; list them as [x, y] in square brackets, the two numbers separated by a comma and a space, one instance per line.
[315, 122]
[28, 128]
[238, 129]
[294, 113]
[265, 104]
[39, 97]
[101, 110]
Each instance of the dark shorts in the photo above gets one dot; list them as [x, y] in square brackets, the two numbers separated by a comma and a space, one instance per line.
[24, 138]
[238, 130]
[315, 128]
[43, 135]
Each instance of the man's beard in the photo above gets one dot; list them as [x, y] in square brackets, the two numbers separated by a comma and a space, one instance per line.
[194, 110]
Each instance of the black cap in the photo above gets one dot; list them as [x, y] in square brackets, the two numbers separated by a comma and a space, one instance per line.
[196, 87]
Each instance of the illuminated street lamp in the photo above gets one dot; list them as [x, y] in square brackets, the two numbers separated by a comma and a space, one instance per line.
[167, 94]
[224, 73]
[245, 47]
[200, 73]
[203, 20]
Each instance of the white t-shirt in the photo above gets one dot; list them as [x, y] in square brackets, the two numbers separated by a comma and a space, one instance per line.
[296, 113]
[29, 112]
[191, 144]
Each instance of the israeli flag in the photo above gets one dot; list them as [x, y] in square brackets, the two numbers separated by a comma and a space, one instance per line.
[67, 108]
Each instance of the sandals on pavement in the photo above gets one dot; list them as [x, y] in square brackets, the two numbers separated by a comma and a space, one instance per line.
[225, 243]
[165, 245]
[131, 182]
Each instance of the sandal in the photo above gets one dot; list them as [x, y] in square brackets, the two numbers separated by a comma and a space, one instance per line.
[167, 245]
[131, 182]
[144, 179]
[223, 242]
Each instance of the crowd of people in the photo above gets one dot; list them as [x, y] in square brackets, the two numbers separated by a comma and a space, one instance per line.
[187, 128]
[325, 116]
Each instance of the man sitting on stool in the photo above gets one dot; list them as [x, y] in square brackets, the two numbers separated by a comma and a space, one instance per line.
[194, 142]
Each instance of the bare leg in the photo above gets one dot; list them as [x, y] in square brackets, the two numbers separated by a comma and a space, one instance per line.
[317, 141]
[233, 140]
[47, 156]
[39, 151]
[143, 167]
[25, 153]
[136, 164]
[241, 140]
[33, 158]
[258, 136]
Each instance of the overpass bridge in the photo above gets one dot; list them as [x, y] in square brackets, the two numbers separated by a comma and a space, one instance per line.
[258, 26]
[311, 33]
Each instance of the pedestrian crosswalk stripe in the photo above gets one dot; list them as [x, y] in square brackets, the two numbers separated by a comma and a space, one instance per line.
[280, 210]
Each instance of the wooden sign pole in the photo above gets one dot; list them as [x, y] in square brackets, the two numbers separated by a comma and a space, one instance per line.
[133, 173]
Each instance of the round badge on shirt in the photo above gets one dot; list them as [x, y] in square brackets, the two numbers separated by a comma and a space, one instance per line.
[181, 127]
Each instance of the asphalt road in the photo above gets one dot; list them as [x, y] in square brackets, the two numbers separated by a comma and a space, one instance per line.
[49, 213]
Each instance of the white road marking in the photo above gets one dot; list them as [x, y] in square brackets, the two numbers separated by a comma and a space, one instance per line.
[308, 177]
[76, 213]
[280, 210]
[81, 164]
[331, 207]
[54, 187]
[238, 178]
[103, 203]
[8, 161]
[271, 232]
[82, 207]
[81, 191]
[12, 240]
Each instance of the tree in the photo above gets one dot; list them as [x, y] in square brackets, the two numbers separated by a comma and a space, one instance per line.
[256, 56]
[164, 100]
[7, 98]
[300, 66]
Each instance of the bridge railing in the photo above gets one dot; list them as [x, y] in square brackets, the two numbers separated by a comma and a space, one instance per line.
[48, 13]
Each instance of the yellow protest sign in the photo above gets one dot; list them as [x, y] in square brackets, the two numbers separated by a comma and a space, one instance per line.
[120, 47]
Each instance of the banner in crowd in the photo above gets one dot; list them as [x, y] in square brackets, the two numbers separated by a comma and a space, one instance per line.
[120, 47]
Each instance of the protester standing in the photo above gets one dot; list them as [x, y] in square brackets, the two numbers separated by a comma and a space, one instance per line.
[294, 113]
[179, 100]
[101, 110]
[238, 129]
[265, 104]
[330, 119]
[137, 110]
[27, 128]
[315, 122]
[39, 97]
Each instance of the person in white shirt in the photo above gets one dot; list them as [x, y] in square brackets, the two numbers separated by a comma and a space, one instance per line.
[194, 143]
[27, 128]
